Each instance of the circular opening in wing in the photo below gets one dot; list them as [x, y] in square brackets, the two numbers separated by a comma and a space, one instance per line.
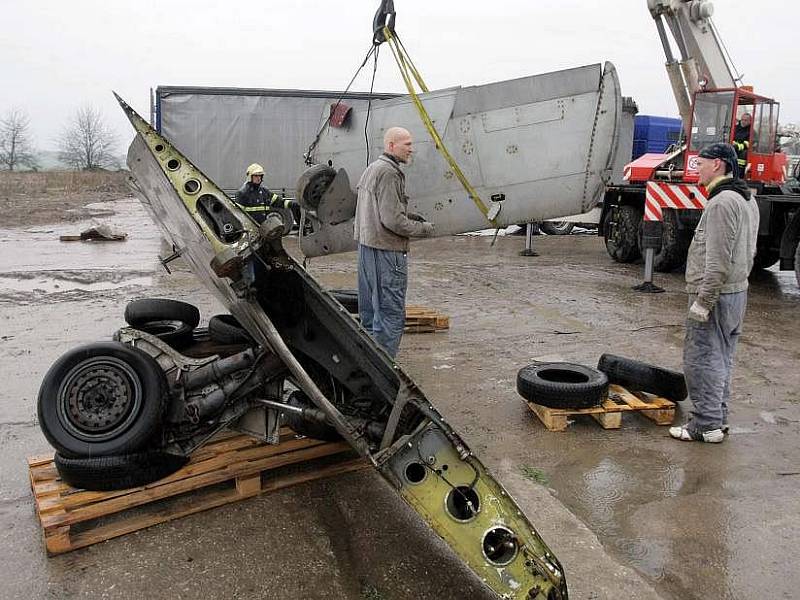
[192, 186]
[500, 546]
[159, 147]
[463, 503]
[415, 472]
[173, 164]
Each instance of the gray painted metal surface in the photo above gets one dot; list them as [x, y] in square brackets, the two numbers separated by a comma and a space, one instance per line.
[543, 146]
[223, 130]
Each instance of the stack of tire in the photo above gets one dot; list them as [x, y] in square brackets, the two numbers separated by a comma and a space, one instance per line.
[574, 386]
[102, 406]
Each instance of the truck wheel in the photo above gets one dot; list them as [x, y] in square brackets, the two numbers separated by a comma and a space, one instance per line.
[621, 232]
[674, 244]
[639, 376]
[562, 385]
[102, 399]
[225, 329]
[145, 310]
[556, 227]
[107, 473]
[765, 257]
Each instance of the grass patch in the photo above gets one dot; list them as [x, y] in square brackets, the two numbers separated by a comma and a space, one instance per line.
[370, 592]
[534, 474]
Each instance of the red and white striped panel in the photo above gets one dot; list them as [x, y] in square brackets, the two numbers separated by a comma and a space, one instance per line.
[660, 195]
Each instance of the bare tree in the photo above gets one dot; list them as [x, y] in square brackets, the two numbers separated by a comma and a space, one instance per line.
[16, 149]
[86, 142]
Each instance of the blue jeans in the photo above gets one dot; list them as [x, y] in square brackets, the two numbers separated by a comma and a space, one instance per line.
[382, 284]
[708, 353]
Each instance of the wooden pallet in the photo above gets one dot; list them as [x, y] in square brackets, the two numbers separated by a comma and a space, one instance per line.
[609, 414]
[421, 319]
[226, 470]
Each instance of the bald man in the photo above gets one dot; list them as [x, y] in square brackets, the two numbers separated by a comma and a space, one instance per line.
[382, 229]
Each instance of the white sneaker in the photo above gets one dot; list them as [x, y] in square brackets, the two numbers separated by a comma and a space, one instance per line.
[714, 436]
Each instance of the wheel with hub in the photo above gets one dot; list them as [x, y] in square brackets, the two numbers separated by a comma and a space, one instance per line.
[621, 232]
[312, 185]
[102, 399]
[557, 227]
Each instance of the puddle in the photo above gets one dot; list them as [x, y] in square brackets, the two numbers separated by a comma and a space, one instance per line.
[40, 283]
[38, 249]
[610, 492]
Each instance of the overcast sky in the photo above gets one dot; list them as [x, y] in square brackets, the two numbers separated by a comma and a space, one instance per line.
[56, 56]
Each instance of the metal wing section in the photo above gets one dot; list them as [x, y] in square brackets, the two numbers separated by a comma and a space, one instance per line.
[542, 146]
[367, 397]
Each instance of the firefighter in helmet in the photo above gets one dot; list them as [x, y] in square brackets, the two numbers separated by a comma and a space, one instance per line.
[255, 199]
[741, 141]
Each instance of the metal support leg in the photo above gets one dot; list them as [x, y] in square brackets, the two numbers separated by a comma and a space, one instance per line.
[647, 285]
[529, 251]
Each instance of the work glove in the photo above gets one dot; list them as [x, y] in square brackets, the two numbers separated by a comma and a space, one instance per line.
[698, 313]
[428, 228]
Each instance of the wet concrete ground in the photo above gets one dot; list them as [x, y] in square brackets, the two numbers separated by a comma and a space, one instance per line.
[630, 513]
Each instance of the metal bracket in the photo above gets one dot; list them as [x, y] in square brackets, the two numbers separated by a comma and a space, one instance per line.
[165, 261]
[384, 17]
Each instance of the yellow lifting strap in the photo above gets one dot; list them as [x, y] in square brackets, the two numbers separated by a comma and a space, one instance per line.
[407, 70]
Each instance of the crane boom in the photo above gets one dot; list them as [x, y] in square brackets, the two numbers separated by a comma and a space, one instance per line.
[701, 61]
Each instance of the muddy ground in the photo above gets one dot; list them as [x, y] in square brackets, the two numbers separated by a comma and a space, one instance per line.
[630, 513]
[37, 198]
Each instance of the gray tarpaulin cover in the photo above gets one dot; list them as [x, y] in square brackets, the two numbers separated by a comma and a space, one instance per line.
[223, 130]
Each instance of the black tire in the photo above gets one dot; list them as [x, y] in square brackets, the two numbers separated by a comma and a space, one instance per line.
[674, 244]
[562, 385]
[639, 376]
[225, 329]
[146, 310]
[312, 184]
[765, 258]
[309, 429]
[175, 333]
[347, 298]
[621, 232]
[107, 473]
[557, 227]
[102, 399]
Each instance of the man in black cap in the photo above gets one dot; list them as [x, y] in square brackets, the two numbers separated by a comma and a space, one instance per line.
[719, 261]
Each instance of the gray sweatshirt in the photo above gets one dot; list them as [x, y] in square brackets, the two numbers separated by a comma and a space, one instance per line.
[382, 219]
[721, 253]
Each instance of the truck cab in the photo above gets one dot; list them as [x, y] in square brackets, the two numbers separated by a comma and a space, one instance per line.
[716, 116]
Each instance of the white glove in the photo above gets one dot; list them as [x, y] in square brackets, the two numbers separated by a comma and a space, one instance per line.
[428, 228]
[698, 313]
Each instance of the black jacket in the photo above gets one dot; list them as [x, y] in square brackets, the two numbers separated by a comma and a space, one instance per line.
[255, 200]
[735, 185]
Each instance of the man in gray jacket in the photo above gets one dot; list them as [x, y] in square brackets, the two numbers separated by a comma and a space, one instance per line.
[719, 262]
[382, 229]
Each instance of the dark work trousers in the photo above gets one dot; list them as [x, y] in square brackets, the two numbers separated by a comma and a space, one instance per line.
[708, 352]
[382, 283]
